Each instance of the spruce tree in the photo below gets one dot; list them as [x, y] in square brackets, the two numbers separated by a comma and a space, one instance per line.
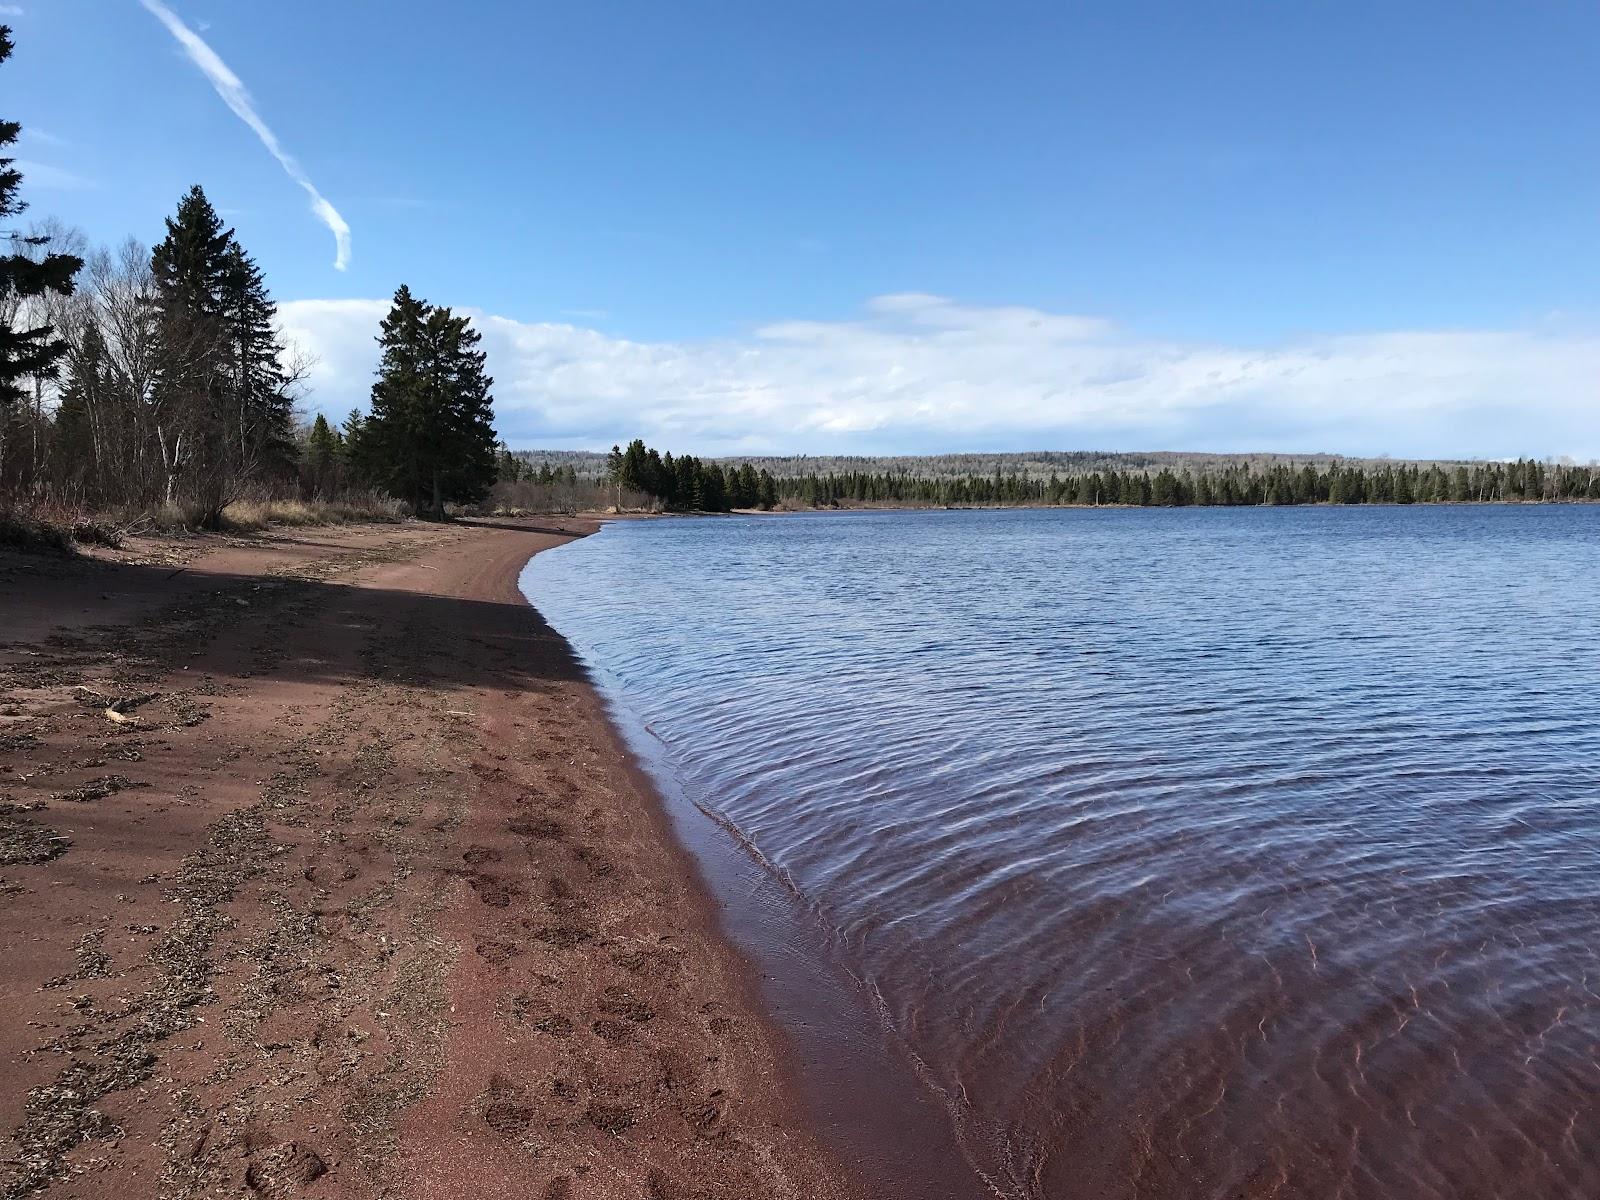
[510, 467]
[749, 487]
[26, 350]
[355, 450]
[713, 489]
[223, 411]
[74, 459]
[432, 431]
[261, 424]
[635, 467]
[188, 266]
[321, 455]
[667, 488]
[686, 484]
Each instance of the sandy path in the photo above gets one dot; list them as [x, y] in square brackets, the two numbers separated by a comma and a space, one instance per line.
[363, 900]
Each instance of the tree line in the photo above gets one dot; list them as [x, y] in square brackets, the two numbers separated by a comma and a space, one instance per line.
[687, 483]
[136, 379]
[1524, 480]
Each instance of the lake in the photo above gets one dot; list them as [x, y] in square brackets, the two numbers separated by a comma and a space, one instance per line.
[1198, 852]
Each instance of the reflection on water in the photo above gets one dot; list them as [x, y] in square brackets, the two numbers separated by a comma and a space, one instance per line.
[1194, 853]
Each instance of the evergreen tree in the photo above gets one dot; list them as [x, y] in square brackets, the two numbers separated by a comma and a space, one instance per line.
[261, 424]
[26, 350]
[188, 267]
[509, 466]
[713, 489]
[431, 427]
[749, 487]
[686, 486]
[634, 467]
[73, 456]
[355, 449]
[321, 456]
[224, 416]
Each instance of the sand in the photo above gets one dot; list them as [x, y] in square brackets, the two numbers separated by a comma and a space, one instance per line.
[323, 873]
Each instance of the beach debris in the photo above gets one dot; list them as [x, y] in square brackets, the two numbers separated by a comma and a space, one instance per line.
[115, 708]
[24, 841]
[284, 1168]
[99, 789]
[120, 704]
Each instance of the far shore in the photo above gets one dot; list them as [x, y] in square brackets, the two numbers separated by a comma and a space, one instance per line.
[325, 873]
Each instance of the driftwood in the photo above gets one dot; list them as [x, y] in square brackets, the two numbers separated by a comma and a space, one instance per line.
[117, 709]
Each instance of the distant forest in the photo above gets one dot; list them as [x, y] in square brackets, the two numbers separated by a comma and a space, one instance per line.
[686, 483]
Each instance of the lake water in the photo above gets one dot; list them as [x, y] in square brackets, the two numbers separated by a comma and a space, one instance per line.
[1188, 853]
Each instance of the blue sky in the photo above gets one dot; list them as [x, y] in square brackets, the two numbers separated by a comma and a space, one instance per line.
[1357, 227]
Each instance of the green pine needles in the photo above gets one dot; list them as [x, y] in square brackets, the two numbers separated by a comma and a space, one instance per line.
[430, 436]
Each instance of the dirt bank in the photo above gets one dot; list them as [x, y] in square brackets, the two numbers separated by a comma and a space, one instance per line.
[324, 874]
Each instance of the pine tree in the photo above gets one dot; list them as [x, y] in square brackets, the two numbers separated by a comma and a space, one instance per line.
[509, 466]
[261, 423]
[635, 467]
[686, 485]
[224, 413]
[188, 266]
[749, 487]
[713, 489]
[355, 449]
[321, 456]
[431, 427]
[73, 456]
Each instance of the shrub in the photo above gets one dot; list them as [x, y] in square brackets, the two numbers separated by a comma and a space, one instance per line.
[28, 531]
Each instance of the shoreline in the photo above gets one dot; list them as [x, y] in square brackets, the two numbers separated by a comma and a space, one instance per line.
[363, 896]
[862, 1087]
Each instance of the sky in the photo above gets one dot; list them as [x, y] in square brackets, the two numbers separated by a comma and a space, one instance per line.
[1364, 228]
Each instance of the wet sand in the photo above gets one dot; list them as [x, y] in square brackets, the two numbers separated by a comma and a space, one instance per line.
[324, 873]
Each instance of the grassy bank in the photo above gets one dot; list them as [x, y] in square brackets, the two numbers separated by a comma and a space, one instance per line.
[55, 528]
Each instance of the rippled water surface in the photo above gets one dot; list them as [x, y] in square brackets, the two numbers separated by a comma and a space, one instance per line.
[1201, 853]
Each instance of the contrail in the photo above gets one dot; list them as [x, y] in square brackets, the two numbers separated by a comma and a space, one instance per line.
[236, 97]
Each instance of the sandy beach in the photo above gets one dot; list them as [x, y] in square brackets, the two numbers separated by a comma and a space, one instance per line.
[325, 874]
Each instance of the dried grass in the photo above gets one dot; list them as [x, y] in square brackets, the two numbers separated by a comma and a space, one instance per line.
[55, 529]
[245, 515]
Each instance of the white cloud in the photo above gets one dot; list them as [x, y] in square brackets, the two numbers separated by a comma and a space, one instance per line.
[924, 373]
[43, 175]
[10, 10]
[236, 97]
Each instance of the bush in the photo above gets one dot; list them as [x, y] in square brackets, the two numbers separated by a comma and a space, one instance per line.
[28, 531]
[55, 528]
[96, 531]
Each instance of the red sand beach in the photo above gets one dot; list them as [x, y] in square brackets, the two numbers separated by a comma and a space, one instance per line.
[326, 874]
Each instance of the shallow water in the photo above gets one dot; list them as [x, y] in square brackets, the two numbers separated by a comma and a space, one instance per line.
[1200, 853]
